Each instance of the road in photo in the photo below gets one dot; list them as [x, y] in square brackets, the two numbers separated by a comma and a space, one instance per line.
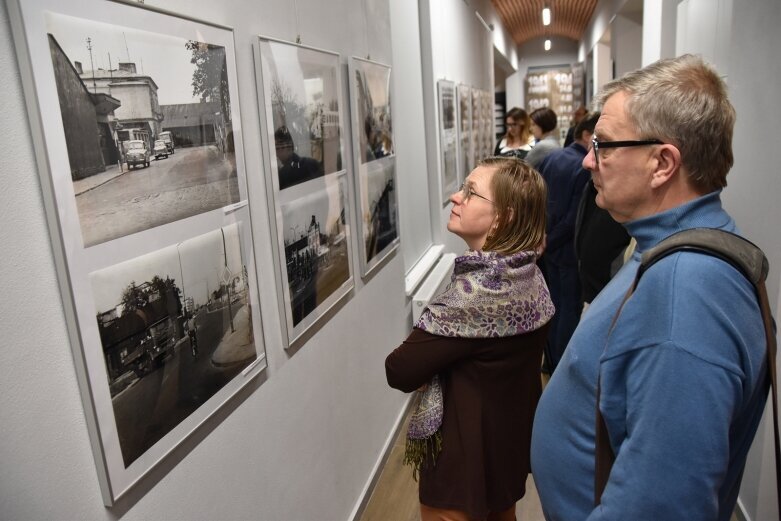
[191, 181]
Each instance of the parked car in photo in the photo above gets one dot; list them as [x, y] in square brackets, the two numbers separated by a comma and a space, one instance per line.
[137, 153]
[168, 139]
[160, 149]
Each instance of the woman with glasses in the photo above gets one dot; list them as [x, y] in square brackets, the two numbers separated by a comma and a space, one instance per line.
[476, 351]
[518, 140]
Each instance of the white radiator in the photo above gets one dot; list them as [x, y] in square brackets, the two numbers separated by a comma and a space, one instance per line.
[434, 283]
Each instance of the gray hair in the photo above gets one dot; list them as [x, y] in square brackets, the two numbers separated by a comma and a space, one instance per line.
[682, 101]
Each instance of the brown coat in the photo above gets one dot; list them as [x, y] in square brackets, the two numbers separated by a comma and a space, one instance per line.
[491, 387]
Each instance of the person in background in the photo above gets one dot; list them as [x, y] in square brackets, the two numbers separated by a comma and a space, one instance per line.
[600, 243]
[681, 371]
[518, 140]
[477, 350]
[577, 116]
[565, 178]
[543, 128]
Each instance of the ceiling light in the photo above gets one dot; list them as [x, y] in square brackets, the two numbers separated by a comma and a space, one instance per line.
[547, 45]
[546, 15]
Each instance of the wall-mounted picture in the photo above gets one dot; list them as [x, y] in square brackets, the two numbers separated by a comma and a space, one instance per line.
[316, 242]
[147, 121]
[300, 99]
[302, 86]
[448, 139]
[373, 146]
[477, 126]
[465, 151]
[135, 120]
[175, 327]
[370, 90]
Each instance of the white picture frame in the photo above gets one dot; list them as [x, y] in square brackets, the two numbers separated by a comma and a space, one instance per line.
[374, 160]
[448, 143]
[301, 104]
[144, 302]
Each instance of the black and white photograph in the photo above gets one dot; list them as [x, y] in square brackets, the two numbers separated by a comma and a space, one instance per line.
[380, 218]
[448, 139]
[148, 125]
[316, 249]
[301, 88]
[136, 123]
[375, 180]
[371, 83]
[175, 326]
[466, 154]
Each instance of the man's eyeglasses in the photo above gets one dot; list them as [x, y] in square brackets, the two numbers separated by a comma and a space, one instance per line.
[466, 190]
[596, 145]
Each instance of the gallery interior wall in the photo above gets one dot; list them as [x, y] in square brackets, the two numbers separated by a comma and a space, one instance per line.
[304, 443]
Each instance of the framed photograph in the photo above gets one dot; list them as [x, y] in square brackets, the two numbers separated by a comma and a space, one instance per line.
[300, 99]
[466, 161]
[447, 139]
[374, 159]
[138, 140]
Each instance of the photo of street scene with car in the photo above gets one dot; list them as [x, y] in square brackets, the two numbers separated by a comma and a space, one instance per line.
[175, 327]
[316, 245]
[148, 125]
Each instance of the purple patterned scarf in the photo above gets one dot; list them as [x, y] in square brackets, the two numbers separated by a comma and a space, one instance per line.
[490, 295]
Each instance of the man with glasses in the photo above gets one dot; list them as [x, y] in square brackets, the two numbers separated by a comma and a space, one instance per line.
[681, 372]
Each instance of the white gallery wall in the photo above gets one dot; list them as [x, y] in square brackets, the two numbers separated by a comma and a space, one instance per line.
[303, 441]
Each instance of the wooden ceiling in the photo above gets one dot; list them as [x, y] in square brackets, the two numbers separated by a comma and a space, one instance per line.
[523, 18]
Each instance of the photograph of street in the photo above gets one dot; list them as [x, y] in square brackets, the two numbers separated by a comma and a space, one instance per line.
[316, 246]
[301, 88]
[147, 122]
[371, 85]
[175, 327]
[380, 217]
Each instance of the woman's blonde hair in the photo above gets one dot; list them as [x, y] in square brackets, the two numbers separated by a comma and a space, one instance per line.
[519, 194]
[519, 115]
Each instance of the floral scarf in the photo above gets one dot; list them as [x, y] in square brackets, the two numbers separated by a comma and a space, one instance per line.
[490, 295]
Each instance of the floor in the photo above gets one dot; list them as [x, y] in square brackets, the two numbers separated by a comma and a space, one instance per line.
[395, 496]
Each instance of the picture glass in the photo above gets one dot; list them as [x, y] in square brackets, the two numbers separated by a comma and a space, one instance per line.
[163, 149]
[302, 106]
[304, 95]
[376, 163]
[448, 142]
[145, 189]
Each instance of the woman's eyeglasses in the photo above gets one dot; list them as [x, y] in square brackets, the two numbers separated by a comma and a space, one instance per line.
[467, 192]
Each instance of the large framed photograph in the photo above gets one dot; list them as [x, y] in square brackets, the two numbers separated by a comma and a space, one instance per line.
[300, 99]
[139, 148]
[378, 229]
[447, 139]
[466, 154]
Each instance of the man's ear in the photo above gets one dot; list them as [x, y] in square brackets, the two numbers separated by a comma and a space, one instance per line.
[668, 163]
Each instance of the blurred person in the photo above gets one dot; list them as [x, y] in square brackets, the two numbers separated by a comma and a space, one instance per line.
[543, 128]
[518, 140]
[565, 178]
[577, 116]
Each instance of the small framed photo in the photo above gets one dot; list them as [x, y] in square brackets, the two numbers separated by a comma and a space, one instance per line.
[466, 155]
[374, 160]
[301, 104]
[447, 139]
[135, 118]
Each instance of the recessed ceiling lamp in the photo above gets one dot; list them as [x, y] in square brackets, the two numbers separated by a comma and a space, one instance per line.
[547, 45]
[546, 15]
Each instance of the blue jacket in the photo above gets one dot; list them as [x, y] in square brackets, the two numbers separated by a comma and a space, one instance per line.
[683, 380]
[565, 177]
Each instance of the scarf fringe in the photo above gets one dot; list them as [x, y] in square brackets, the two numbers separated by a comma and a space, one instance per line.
[419, 453]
